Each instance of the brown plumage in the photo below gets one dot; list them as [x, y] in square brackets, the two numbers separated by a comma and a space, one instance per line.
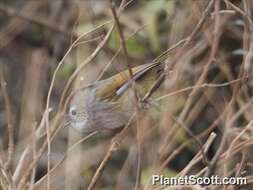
[108, 104]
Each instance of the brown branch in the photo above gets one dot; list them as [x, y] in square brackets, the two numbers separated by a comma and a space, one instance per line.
[122, 39]
[186, 42]
[205, 85]
[241, 12]
[54, 128]
[101, 167]
[27, 172]
[202, 77]
[65, 156]
[173, 47]
[195, 138]
[113, 147]
[175, 152]
[84, 63]
[123, 45]
[39, 131]
[9, 120]
[199, 155]
[232, 144]
[231, 103]
[193, 34]
[214, 52]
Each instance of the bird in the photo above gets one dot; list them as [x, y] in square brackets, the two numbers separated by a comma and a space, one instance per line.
[109, 103]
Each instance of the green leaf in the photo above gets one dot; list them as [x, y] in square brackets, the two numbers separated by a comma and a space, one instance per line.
[134, 47]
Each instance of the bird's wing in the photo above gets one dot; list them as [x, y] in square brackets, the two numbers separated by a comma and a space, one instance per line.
[116, 85]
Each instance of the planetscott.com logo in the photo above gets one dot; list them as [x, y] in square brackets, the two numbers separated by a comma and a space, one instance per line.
[195, 180]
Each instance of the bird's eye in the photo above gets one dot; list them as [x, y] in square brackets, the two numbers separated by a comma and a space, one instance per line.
[73, 111]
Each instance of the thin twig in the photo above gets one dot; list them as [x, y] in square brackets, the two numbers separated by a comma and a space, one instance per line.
[166, 52]
[205, 85]
[113, 147]
[9, 120]
[27, 172]
[241, 12]
[202, 151]
[72, 147]
[123, 45]
[33, 175]
[200, 154]
[231, 103]
[84, 63]
[232, 144]
[179, 54]
[43, 121]
[122, 39]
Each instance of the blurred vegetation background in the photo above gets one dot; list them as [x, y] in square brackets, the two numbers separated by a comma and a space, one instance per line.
[206, 44]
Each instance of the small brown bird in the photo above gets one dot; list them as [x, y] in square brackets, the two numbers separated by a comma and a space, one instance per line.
[109, 103]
